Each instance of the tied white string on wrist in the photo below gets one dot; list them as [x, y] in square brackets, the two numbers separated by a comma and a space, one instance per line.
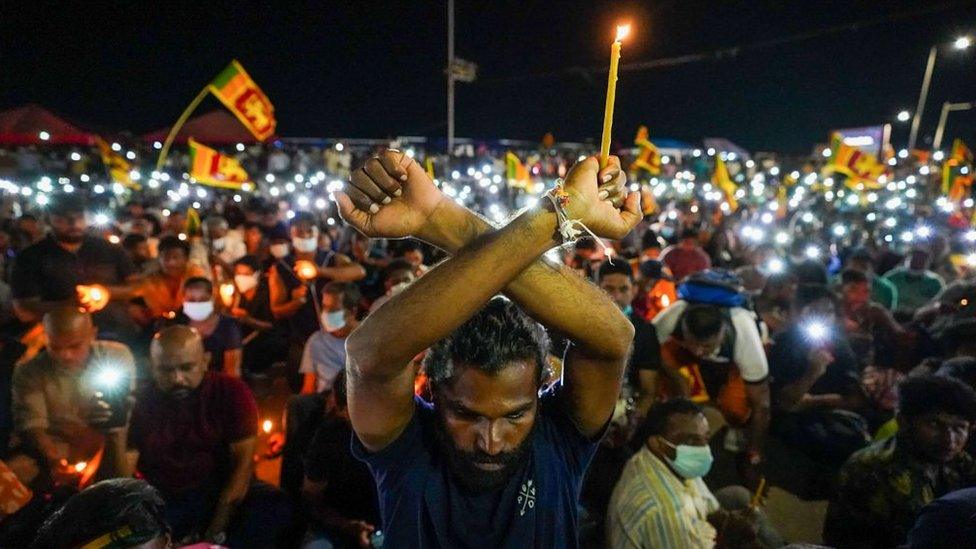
[571, 230]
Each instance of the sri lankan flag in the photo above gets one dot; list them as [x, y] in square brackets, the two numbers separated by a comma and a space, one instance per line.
[193, 226]
[722, 180]
[209, 167]
[116, 164]
[862, 169]
[649, 158]
[235, 89]
[515, 172]
[957, 172]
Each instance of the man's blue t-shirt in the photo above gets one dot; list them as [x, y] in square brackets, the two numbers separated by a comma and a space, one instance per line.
[423, 506]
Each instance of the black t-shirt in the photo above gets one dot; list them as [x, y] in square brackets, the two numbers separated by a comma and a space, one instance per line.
[258, 308]
[646, 354]
[424, 506]
[225, 337]
[350, 489]
[47, 271]
[788, 363]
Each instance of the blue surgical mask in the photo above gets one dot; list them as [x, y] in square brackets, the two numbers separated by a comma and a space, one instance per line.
[690, 461]
[629, 310]
[334, 321]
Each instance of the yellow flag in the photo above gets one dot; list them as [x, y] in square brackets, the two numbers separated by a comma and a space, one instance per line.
[118, 167]
[722, 180]
[649, 158]
[239, 93]
[209, 167]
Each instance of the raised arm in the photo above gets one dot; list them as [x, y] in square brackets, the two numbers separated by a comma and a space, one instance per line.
[493, 261]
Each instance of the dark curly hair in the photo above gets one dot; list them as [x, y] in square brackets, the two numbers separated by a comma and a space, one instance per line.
[497, 335]
[932, 394]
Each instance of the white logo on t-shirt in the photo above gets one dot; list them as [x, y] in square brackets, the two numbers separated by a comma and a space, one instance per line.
[526, 497]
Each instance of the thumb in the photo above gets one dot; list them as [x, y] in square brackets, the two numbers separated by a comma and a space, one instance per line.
[349, 212]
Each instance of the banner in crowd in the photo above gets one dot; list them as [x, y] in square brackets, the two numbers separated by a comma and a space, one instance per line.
[516, 172]
[209, 167]
[862, 169]
[869, 139]
[722, 180]
[649, 158]
[239, 93]
[957, 172]
[118, 167]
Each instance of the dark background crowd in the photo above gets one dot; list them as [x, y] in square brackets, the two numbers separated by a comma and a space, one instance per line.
[816, 339]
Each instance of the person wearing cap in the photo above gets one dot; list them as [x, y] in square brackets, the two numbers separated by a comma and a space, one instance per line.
[882, 290]
[47, 273]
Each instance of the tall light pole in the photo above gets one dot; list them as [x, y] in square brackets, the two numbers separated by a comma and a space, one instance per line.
[960, 43]
[450, 78]
[947, 107]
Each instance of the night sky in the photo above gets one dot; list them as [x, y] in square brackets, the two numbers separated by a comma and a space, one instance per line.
[375, 69]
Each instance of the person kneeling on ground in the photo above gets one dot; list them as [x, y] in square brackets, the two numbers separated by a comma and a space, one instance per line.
[192, 437]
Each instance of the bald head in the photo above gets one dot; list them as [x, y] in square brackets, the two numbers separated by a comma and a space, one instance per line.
[179, 361]
[67, 319]
[69, 332]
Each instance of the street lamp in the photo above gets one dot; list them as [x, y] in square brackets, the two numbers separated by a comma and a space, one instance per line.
[960, 43]
[903, 116]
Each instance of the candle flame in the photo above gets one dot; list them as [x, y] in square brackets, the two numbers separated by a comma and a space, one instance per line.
[306, 270]
[266, 426]
[80, 466]
[622, 31]
[227, 293]
[92, 298]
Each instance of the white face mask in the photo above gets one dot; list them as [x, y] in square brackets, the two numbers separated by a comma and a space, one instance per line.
[334, 321]
[246, 282]
[198, 310]
[305, 244]
[278, 250]
[219, 243]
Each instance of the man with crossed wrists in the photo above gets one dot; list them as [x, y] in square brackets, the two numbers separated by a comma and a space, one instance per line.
[489, 462]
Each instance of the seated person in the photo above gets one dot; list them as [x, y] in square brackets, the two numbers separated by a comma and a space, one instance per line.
[882, 290]
[338, 490]
[264, 341]
[814, 374]
[113, 513]
[661, 499]
[715, 354]
[656, 290]
[192, 436]
[221, 334]
[396, 276]
[883, 488]
[915, 283]
[162, 292]
[53, 393]
[878, 339]
[325, 351]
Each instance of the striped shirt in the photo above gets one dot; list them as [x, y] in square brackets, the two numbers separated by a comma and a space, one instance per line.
[652, 507]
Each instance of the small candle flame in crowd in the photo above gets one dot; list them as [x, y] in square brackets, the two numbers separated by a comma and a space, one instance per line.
[306, 270]
[92, 297]
[227, 293]
[266, 426]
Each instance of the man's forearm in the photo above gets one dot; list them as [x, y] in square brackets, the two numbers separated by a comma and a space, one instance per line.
[115, 462]
[550, 292]
[448, 295]
[232, 493]
[343, 273]
[758, 397]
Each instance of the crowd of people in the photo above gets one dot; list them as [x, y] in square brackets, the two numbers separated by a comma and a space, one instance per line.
[816, 339]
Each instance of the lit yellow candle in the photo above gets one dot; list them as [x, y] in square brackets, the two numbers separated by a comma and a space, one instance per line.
[622, 32]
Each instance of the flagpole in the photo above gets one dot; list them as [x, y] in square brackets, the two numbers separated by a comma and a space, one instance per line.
[179, 124]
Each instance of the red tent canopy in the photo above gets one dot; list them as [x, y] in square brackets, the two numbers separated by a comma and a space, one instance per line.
[214, 128]
[23, 126]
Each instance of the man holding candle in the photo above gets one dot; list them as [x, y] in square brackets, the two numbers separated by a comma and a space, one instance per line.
[490, 461]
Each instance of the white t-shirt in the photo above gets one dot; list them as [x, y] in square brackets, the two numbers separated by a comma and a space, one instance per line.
[748, 352]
